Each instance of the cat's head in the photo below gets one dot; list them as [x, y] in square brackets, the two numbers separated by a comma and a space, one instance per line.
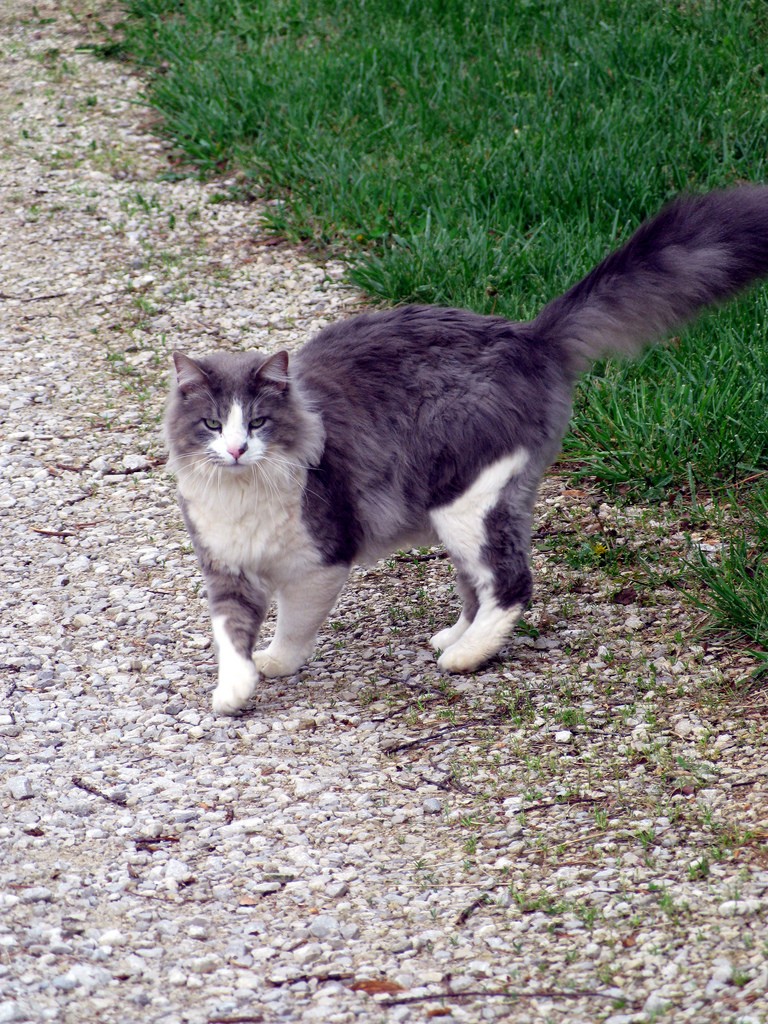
[236, 411]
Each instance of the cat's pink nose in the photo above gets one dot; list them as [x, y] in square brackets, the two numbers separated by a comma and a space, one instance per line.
[237, 451]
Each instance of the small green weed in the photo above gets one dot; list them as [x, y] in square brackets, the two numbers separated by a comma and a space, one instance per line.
[736, 584]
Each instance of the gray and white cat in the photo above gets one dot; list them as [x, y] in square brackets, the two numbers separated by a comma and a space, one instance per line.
[417, 426]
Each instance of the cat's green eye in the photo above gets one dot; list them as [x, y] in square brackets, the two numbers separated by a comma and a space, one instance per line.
[213, 424]
[258, 422]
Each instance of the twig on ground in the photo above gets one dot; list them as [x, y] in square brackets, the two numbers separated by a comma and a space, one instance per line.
[119, 798]
[546, 993]
[482, 900]
[32, 298]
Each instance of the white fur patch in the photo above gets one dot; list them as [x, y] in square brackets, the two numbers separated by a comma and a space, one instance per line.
[487, 634]
[235, 438]
[237, 675]
[250, 518]
[483, 493]
[460, 526]
[442, 641]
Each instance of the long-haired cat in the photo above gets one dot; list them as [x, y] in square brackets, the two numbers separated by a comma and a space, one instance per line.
[417, 426]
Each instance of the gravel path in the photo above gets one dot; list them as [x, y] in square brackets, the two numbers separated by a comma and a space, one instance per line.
[577, 834]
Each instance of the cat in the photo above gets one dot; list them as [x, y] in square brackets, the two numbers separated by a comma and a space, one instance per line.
[417, 426]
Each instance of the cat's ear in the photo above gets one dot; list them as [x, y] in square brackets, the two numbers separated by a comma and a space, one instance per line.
[189, 375]
[275, 370]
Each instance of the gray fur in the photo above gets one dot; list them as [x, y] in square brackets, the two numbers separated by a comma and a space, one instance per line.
[390, 417]
[698, 251]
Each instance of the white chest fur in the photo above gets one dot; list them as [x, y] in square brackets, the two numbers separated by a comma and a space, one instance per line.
[251, 523]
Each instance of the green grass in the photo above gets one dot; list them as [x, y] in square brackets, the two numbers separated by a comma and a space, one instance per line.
[488, 152]
[486, 155]
[736, 584]
[690, 416]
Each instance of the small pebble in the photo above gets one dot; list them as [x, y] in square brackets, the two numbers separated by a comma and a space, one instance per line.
[324, 926]
[20, 788]
[11, 1011]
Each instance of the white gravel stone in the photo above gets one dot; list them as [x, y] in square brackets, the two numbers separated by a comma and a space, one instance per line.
[337, 889]
[20, 788]
[178, 871]
[203, 964]
[324, 926]
[308, 953]
[740, 908]
[655, 1005]
[11, 1011]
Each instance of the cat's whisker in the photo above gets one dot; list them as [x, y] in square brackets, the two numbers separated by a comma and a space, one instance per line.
[294, 468]
[273, 489]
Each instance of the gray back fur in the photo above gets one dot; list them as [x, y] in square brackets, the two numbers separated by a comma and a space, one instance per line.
[394, 414]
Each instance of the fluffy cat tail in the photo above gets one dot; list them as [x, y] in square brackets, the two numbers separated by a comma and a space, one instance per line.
[697, 251]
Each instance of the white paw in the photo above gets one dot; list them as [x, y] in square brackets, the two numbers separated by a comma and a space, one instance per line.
[271, 665]
[467, 653]
[235, 689]
[458, 659]
[442, 641]
[481, 641]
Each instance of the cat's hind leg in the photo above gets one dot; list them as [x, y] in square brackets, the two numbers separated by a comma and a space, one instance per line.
[504, 589]
[302, 606]
[446, 637]
[487, 533]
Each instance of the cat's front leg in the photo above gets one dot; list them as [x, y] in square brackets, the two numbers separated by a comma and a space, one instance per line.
[237, 673]
[237, 611]
[302, 605]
